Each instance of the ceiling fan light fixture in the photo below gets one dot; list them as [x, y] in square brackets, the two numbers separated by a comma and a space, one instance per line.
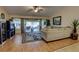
[36, 8]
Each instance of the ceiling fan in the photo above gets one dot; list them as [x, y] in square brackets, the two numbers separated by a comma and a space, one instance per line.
[36, 9]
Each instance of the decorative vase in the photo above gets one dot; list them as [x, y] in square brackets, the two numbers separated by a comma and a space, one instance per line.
[74, 36]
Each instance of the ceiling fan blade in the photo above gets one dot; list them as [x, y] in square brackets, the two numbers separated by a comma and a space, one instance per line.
[40, 10]
[29, 10]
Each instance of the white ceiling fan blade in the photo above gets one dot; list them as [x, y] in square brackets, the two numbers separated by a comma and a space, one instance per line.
[29, 10]
[40, 10]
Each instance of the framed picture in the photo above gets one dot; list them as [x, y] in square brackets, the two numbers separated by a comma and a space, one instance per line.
[2, 16]
[57, 20]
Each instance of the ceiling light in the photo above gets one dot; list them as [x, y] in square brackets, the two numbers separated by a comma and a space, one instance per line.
[36, 8]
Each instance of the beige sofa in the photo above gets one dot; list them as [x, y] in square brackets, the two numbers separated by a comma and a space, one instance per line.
[50, 34]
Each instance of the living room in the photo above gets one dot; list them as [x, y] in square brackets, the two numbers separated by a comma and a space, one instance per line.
[40, 28]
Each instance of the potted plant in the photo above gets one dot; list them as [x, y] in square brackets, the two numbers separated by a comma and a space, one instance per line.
[74, 34]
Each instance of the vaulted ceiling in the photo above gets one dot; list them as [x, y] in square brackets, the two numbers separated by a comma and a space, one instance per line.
[23, 10]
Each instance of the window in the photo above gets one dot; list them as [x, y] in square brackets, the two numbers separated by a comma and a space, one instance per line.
[17, 23]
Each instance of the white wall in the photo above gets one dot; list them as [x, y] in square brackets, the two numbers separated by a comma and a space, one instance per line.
[68, 15]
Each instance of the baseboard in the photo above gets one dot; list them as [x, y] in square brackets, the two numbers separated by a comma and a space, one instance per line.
[44, 40]
[54, 40]
[3, 43]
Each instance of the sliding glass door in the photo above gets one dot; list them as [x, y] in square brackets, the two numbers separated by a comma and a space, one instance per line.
[32, 25]
[36, 26]
[17, 22]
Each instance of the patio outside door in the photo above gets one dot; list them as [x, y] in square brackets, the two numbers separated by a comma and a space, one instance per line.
[32, 26]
